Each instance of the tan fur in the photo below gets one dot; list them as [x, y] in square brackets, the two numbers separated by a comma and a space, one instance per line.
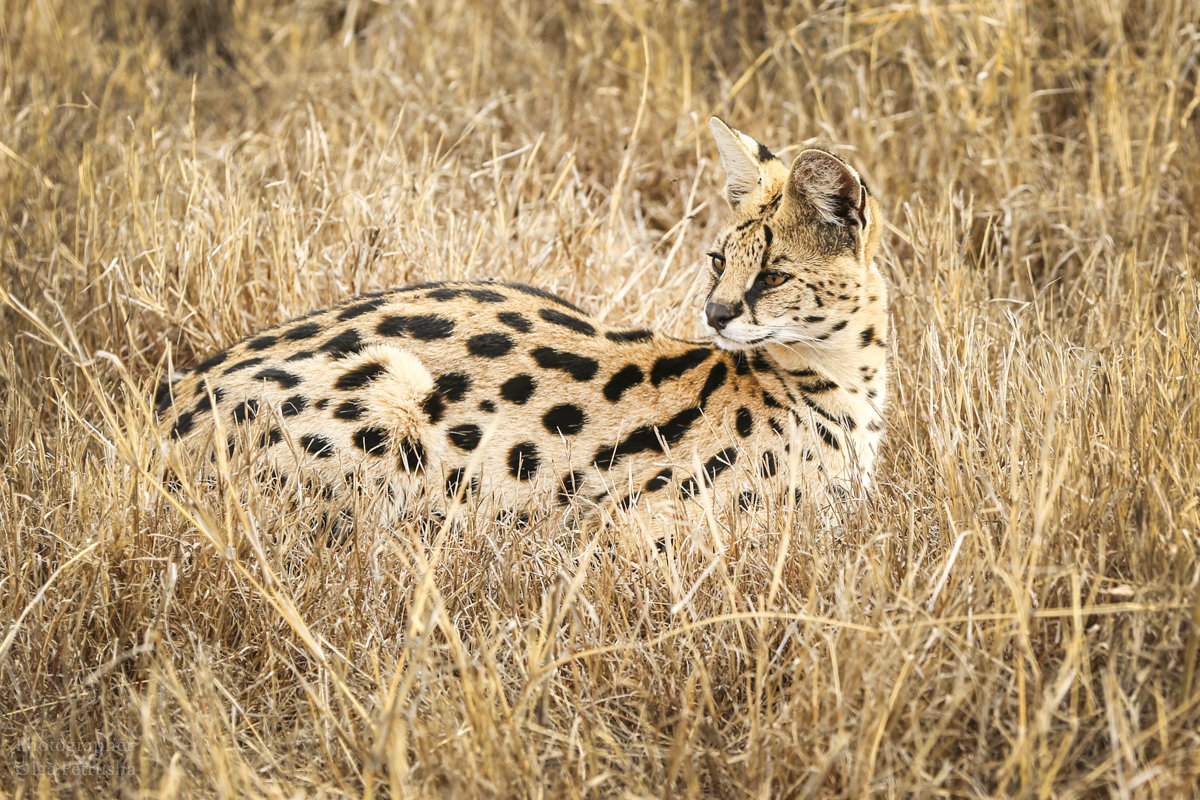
[412, 387]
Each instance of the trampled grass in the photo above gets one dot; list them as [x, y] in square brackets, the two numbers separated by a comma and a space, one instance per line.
[1016, 610]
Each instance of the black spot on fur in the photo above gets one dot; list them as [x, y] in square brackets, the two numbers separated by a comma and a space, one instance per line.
[716, 379]
[286, 380]
[434, 406]
[162, 397]
[867, 336]
[261, 343]
[454, 481]
[567, 321]
[837, 326]
[720, 462]
[350, 410]
[638, 335]
[183, 424]
[171, 481]
[293, 405]
[569, 486]
[769, 465]
[777, 426]
[321, 404]
[678, 426]
[844, 421]
[245, 411]
[317, 445]
[745, 422]
[741, 365]
[647, 438]
[371, 440]
[453, 386]
[567, 419]
[627, 376]
[542, 293]
[465, 437]
[202, 405]
[715, 465]
[360, 376]
[659, 481]
[770, 401]
[271, 437]
[515, 321]
[489, 345]
[485, 295]
[581, 368]
[443, 294]
[358, 309]
[206, 365]
[305, 331]
[302, 355]
[518, 389]
[346, 343]
[243, 364]
[669, 367]
[426, 327]
[487, 406]
[764, 154]
[523, 461]
[827, 435]
[761, 363]
[411, 455]
[628, 501]
[749, 500]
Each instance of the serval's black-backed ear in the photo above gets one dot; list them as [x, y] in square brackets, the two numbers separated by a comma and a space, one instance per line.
[825, 184]
[742, 158]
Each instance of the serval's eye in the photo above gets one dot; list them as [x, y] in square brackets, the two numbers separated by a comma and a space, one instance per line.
[773, 278]
[718, 262]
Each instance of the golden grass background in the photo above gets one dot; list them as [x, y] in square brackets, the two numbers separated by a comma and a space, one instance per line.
[1015, 611]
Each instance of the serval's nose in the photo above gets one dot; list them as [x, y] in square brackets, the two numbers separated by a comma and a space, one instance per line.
[719, 314]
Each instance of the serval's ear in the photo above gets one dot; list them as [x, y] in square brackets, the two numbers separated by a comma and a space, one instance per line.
[742, 157]
[827, 186]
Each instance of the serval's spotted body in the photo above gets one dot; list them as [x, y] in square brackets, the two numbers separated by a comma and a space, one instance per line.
[505, 390]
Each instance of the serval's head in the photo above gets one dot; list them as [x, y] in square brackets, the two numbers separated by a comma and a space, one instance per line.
[793, 264]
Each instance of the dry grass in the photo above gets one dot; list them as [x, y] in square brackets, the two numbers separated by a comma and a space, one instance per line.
[1015, 612]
